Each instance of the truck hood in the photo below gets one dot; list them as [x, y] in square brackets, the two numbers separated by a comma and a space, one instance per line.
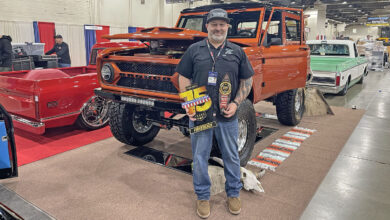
[160, 33]
[164, 33]
[331, 64]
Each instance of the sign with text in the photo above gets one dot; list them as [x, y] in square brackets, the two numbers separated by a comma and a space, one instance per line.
[378, 21]
[199, 103]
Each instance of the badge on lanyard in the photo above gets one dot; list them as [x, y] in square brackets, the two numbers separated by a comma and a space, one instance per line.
[212, 80]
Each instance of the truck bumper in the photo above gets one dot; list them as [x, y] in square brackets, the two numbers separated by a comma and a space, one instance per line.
[165, 105]
[27, 125]
[327, 89]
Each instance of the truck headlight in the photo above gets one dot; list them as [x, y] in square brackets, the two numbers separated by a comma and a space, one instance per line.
[107, 72]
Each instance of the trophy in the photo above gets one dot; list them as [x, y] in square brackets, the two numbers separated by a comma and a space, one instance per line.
[196, 101]
[225, 91]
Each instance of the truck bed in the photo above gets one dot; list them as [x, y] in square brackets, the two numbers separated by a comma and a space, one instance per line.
[44, 95]
[71, 71]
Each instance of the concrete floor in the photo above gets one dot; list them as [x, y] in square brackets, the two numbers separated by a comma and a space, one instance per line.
[358, 184]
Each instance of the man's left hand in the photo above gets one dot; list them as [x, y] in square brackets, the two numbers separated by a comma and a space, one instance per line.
[230, 110]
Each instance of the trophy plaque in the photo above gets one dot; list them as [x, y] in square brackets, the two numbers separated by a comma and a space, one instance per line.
[198, 102]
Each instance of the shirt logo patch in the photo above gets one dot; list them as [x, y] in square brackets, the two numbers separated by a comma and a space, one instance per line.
[228, 51]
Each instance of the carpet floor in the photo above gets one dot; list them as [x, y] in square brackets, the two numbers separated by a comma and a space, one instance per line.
[99, 181]
[31, 147]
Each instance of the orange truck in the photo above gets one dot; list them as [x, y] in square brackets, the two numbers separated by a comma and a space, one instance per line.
[142, 83]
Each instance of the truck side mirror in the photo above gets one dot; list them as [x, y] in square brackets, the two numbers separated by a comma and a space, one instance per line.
[276, 41]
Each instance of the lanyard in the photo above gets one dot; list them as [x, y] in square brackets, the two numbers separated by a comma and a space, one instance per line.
[212, 55]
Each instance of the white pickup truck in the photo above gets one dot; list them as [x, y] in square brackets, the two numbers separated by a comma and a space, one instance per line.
[336, 65]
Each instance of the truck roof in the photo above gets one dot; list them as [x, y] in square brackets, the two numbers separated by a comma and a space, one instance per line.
[227, 6]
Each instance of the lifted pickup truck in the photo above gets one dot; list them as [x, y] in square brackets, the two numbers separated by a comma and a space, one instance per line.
[143, 85]
[46, 98]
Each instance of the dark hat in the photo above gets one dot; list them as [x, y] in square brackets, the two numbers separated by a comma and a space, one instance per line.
[57, 36]
[219, 14]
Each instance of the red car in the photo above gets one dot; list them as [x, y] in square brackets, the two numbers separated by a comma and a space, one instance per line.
[47, 98]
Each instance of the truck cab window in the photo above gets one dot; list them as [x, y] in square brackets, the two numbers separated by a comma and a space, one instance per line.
[243, 24]
[274, 30]
[293, 30]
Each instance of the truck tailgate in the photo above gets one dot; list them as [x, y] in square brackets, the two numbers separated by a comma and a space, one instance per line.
[17, 96]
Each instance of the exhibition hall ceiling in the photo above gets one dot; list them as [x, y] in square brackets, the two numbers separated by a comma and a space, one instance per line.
[348, 11]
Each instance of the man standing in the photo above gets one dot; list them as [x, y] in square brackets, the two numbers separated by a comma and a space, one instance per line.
[62, 50]
[209, 63]
[5, 53]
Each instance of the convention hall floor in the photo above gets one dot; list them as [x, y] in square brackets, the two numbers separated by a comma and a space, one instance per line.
[358, 184]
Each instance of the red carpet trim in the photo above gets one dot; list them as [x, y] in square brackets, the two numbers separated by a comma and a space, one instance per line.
[272, 156]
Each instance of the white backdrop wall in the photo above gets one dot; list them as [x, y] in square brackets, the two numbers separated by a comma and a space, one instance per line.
[19, 31]
[102, 12]
[69, 16]
[63, 11]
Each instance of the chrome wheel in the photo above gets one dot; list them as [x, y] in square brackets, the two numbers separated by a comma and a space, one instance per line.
[298, 103]
[242, 134]
[95, 112]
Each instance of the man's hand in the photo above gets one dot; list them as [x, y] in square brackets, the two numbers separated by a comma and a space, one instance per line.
[230, 110]
[191, 116]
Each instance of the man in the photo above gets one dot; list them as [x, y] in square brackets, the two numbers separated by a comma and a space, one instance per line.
[207, 63]
[62, 50]
[5, 53]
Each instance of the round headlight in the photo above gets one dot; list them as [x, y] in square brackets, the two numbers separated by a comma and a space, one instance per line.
[107, 72]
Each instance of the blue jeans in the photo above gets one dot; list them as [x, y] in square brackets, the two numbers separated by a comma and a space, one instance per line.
[63, 65]
[226, 134]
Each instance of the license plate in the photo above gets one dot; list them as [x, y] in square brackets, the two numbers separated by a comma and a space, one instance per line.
[147, 102]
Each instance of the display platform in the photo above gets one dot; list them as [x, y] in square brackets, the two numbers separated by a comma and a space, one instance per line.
[179, 163]
[100, 181]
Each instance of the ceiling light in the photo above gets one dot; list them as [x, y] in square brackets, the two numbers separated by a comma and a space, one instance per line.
[344, 3]
[292, 3]
[350, 6]
[359, 10]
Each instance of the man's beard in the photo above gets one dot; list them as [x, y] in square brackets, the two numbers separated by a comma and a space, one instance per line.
[217, 39]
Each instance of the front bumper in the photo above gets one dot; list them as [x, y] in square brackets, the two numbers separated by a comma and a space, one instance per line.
[166, 105]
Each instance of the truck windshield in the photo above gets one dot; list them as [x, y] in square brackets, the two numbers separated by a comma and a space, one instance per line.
[243, 24]
[329, 49]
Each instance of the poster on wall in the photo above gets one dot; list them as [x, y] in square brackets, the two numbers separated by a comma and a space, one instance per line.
[378, 21]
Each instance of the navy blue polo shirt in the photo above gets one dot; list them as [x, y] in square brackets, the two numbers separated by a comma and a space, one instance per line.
[196, 64]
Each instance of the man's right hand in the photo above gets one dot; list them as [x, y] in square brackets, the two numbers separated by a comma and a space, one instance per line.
[191, 116]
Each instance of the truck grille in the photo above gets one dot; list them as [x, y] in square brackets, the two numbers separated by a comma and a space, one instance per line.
[327, 80]
[147, 68]
[138, 82]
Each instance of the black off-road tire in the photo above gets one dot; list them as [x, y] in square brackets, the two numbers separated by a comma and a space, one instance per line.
[247, 113]
[121, 125]
[286, 109]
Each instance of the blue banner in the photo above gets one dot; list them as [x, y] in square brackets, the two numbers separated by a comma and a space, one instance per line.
[90, 40]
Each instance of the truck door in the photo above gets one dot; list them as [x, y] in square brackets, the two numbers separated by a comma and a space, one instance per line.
[285, 55]
[8, 162]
